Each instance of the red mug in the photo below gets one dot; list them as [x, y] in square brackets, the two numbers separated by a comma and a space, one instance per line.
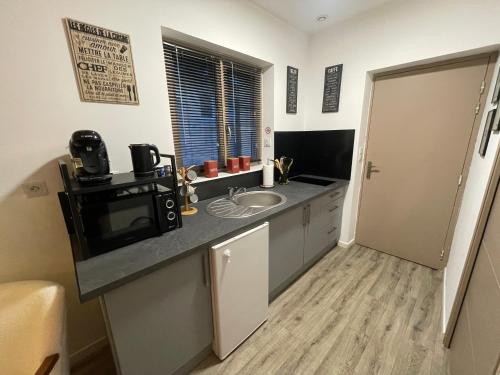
[233, 165]
[210, 168]
[244, 163]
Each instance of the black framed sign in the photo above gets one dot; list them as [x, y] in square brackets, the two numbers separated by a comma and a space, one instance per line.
[292, 80]
[486, 133]
[331, 90]
[496, 121]
[496, 91]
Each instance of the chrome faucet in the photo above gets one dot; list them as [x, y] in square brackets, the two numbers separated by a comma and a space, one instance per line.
[236, 190]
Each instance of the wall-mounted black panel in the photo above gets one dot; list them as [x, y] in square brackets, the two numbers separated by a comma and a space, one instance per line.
[331, 89]
[292, 79]
[325, 153]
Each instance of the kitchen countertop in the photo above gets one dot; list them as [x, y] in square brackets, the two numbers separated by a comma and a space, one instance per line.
[98, 275]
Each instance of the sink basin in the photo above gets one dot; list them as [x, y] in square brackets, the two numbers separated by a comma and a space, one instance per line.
[259, 199]
[245, 204]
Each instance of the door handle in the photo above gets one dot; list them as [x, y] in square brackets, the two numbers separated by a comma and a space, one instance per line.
[206, 271]
[370, 169]
[227, 255]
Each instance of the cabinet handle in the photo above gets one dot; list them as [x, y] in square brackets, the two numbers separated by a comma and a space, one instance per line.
[308, 213]
[333, 209]
[334, 194]
[331, 230]
[304, 215]
[205, 269]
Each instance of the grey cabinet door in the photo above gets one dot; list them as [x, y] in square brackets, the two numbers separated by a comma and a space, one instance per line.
[286, 244]
[317, 237]
[163, 320]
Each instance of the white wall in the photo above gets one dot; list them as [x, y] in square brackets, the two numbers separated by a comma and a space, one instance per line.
[40, 108]
[394, 35]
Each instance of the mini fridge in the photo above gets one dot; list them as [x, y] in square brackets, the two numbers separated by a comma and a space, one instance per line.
[240, 285]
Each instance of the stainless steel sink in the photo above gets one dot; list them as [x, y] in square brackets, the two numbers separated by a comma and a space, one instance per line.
[245, 204]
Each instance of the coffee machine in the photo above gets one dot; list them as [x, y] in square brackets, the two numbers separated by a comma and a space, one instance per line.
[89, 157]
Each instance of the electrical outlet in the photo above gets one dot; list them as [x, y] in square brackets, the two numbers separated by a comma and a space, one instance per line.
[35, 189]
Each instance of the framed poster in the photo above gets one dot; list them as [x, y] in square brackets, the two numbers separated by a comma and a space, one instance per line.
[103, 64]
[292, 80]
[331, 89]
[496, 121]
[486, 133]
[496, 91]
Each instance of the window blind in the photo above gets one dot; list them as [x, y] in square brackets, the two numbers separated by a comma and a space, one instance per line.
[242, 96]
[215, 106]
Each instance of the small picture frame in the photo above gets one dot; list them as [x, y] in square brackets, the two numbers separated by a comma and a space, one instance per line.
[496, 121]
[496, 91]
[486, 133]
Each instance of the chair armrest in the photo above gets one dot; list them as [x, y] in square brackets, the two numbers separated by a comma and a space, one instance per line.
[47, 364]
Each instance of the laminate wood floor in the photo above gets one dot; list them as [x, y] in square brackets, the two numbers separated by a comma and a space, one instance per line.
[357, 311]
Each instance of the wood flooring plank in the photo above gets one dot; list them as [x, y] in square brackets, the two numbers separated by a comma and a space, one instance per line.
[337, 296]
[331, 266]
[347, 349]
[276, 353]
[424, 323]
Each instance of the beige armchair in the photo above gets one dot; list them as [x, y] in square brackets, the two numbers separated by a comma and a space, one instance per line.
[33, 329]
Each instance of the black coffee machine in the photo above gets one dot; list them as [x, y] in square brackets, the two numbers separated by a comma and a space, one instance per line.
[89, 156]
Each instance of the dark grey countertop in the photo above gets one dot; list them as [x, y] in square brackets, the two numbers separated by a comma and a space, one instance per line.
[100, 274]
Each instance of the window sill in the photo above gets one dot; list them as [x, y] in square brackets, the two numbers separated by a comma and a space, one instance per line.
[253, 168]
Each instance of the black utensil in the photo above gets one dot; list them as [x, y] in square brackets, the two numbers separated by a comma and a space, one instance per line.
[133, 91]
[129, 89]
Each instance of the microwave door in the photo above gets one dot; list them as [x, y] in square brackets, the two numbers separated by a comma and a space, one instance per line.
[112, 224]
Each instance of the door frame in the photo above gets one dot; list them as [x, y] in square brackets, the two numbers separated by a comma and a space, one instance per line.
[484, 214]
[472, 139]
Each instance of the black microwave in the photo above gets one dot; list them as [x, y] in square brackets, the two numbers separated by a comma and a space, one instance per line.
[114, 219]
[103, 218]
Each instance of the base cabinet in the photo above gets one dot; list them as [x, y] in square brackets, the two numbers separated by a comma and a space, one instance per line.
[161, 322]
[286, 242]
[300, 236]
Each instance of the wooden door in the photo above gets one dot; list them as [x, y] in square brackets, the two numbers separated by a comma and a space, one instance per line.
[475, 346]
[421, 130]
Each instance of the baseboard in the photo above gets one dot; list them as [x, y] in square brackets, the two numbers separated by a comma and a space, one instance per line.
[88, 351]
[346, 245]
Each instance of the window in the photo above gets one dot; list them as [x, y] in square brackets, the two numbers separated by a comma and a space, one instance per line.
[215, 106]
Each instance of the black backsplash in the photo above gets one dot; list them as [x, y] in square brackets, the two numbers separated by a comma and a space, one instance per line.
[325, 153]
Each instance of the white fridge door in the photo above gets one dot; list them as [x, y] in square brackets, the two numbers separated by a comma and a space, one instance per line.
[240, 283]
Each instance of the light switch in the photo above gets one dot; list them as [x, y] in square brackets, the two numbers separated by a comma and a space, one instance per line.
[361, 154]
[35, 189]
[267, 142]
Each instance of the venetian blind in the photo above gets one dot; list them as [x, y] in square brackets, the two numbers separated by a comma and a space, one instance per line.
[215, 106]
[242, 99]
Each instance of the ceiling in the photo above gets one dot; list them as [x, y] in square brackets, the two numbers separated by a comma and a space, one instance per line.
[303, 13]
